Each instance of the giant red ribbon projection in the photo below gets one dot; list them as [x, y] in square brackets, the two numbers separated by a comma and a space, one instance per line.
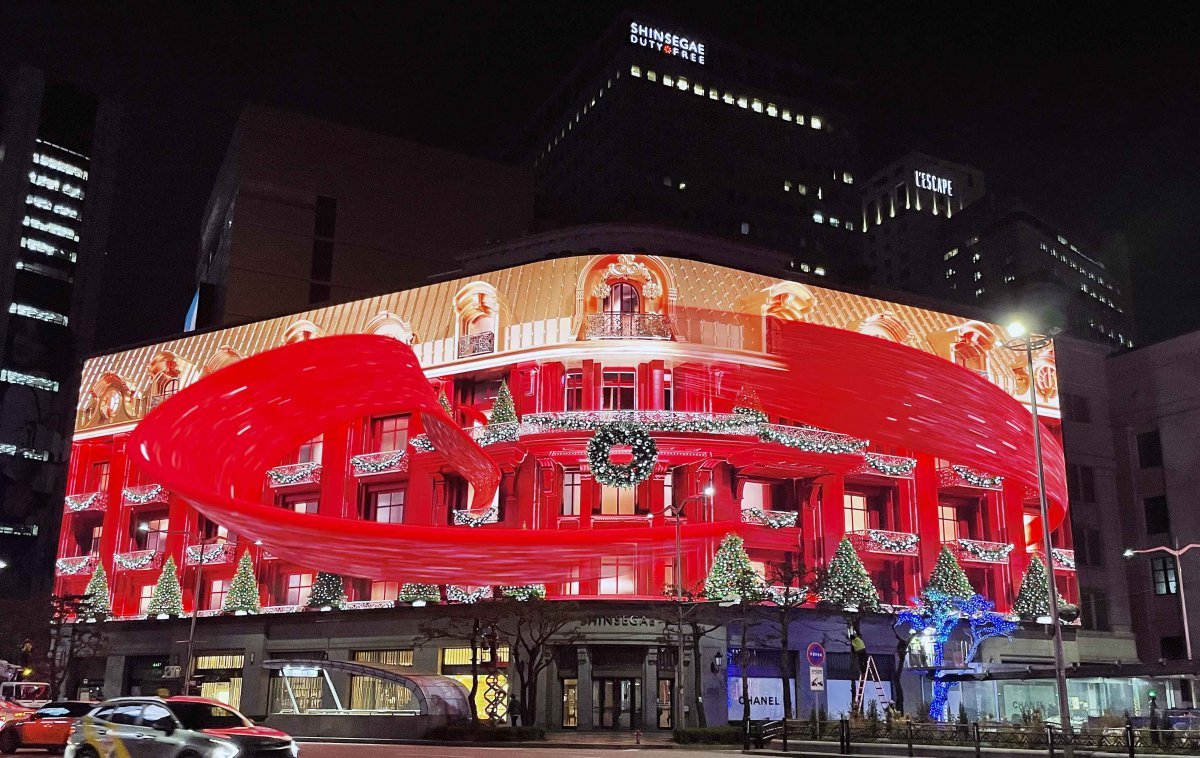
[213, 440]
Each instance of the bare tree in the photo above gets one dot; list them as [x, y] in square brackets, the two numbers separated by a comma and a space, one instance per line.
[529, 626]
[468, 630]
[790, 584]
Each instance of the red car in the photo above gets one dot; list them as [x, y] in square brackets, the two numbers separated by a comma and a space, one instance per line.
[47, 727]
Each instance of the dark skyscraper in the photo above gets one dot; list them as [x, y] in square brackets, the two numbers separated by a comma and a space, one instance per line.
[57, 151]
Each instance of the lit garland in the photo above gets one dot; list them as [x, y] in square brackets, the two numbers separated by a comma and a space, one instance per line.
[753, 413]
[134, 561]
[412, 592]
[772, 519]
[890, 465]
[374, 463]
[77, 503]
[73, 566]
[141, 496]
[167, 598]
[997, 554]
[466, 518]
[285, 475]
[810, 440]
[976, 479]
[456, 594]
[788, 596]
[206, 553]
[898, 542]
[650, 421]
[847, 583]
[508, 431]
[1063, 558]
[421, 443]
[645, 455]
[242, 596]
[525, 592]
[273, 609]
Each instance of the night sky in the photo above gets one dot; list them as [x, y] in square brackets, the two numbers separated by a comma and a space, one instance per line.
[1092, 118]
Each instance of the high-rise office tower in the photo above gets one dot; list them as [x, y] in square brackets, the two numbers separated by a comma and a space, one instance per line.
[57, 148]
[669, 126]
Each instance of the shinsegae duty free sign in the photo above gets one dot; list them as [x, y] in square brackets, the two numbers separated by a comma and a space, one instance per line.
[666, 42]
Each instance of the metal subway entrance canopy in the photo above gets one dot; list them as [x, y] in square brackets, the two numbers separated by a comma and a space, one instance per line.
[212, 440]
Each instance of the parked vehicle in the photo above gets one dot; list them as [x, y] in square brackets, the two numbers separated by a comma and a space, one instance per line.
[47, 727]
[28, 694]
[178, 727]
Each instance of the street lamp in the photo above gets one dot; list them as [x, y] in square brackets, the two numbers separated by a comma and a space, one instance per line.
[1176, 552]
[1027, 342]
[191, 640]
[677, 512]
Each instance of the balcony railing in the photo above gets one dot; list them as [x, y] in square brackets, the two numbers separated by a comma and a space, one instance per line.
[658, 421]
[772, 519]
[297, 473]
[137, 560]
[961, 476]
[887, 465]
[489, 515]
[367, 605]
[476, 344]
[1063, 558]
[810, 439]
[150, 493]
[617, 326]
[884, 542]
[979, 551]
[92, 501]
[392, 461]
[82, 564]
[214, 554]
[157, 400]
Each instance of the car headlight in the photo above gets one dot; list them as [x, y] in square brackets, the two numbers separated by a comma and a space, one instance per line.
[224, 749]
[295, 748]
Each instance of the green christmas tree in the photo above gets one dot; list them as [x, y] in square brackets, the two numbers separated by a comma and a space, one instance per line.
[411, 592]
[847, 582]
[95, 604]
[503, 410]
[328, 591]
[731, 575]
[445, 403]
[242, 596]
[167, 598]
[948, 578]
[1033, 599]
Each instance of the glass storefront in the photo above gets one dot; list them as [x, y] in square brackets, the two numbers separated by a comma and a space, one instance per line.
[456, 664]
[220, 676]
[368, 693]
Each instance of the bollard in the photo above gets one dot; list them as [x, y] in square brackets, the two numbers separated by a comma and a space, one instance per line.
[1050, 739]
[910, 738]
[785, 731]
[844, 730]
[637, 736]
[975, 729]
[1129, 739]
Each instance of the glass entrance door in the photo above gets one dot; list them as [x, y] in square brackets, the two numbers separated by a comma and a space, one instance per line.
[618, 703]
[666, 704]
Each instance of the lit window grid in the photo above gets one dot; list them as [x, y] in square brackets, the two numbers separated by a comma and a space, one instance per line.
[55, 185]
[29, 311]
[7, 448]
[55, 164]
[47, 271]
[50, 227]
[28, 380]
[46, 248]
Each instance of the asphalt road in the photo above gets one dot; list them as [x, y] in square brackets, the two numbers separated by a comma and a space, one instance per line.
[332, 750]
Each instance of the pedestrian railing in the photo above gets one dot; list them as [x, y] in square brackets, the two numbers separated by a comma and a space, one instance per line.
[1037, 737]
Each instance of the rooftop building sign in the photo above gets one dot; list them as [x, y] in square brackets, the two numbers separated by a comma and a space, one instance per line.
[934, 183]
[666, 42]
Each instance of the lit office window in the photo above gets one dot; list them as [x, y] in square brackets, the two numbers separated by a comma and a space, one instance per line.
[786, 115]
[847, 177]
[668, 80]
[833, 221]
[949, 273]
[698, 89]
[728, 98]
[818, 217]
[745, 228]
[28, 380]
[50, 227]
[815, 122]
[651, 76]
[57, 165]
[787, 186]
[1162, 572]
[819, 271]
[29, 311]
[635, 71]
[802, 189]
[743, 102]
[978, 275]
[756, 105]
[805, 267]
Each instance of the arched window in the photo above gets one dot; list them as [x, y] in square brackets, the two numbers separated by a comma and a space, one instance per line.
[623, 298]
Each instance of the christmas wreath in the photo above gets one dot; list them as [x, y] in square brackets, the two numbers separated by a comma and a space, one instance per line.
[645, 455]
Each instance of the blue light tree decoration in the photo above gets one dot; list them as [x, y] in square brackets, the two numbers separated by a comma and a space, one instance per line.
[940, 614]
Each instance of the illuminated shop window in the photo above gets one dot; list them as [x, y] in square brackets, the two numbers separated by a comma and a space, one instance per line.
[573, 389]
[572, 489]
[145, 592]
[389, 433]
[617, 501]
[217, 590]
[815, 122]
[387, 506]
[152, 533]
[296, 588]
[385, 590]
[617, 576]
[635, 71]
[855, 512]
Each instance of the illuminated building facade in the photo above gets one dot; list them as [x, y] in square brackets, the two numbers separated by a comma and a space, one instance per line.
[604, 336]
[57, 148]
[729, 143]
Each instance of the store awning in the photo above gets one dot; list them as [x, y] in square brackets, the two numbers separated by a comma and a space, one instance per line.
[435, 694]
